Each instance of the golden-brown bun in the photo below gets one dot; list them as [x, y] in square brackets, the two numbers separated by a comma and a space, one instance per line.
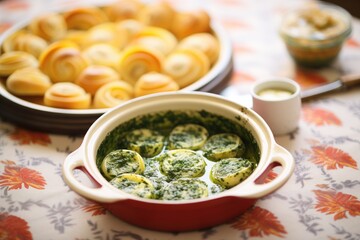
[154, 82]
[131, 27]
[123, 9]
[186, 66]
[26, 42]
[107, 33]
[94, 76]
[51, 26]
[62, 61]
[112, 94]
[76, 36]
[28, 82]
[157, 14]
[12, 61]
[187, 23]
[102, 54]
[84, 18]
[205, 42]
[136, 61]
[67, 95]
[156, 38]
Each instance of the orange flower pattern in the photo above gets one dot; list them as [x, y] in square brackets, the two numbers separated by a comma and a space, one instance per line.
[308, 79]
[26, 137]
[260, 222]
[337, 203]
[320, 117]
[14, 228]
[15, 177]
[332, 158]
[94, 208]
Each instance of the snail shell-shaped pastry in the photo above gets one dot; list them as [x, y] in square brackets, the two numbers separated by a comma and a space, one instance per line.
[28, 82]
[186, 66]
[131, 26]
[154, 82]
[94, 76]
[67, 95]
[205, 42]
[157, 14]
[156, 38]
[12, 61]
[84, 18]
[123, 9]
[136, 61]
[187, 23]
[107, 33]
[26, 42]
[51, 26]
[62, 61]
[102, 54]
[76, 36]
[112, 94]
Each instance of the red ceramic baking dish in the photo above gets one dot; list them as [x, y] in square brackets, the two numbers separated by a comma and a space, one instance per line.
[179, 215]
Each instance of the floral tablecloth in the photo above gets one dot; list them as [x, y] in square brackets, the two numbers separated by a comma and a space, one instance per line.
[321, 200]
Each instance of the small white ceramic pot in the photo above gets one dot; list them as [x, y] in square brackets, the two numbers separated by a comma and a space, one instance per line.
[179, 215]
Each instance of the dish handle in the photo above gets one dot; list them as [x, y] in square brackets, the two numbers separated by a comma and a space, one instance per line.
[259, 188]
[100, 194]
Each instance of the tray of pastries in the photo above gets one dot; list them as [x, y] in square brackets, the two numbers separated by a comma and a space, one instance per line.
[61, 70]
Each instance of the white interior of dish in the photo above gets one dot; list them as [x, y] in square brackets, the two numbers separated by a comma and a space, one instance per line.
[177, 101]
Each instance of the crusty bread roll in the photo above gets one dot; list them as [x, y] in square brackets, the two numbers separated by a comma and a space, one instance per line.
[186, 66]
[50, 26]
[136, 61]
[154, 82]
[67, 95]
[28, 82]
[62, 61]
[15, 60]
[190, 22]
[205, 42]
[112, 94]
[94, 76]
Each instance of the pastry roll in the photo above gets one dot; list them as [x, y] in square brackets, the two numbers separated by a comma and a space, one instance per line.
[123, 9]
[154, 82]
[67, 95]
[205, 42]
[76, 36]
[186, 66]
[187, 23]
[157, 14]
[136, 61]
[26, 42]
[112, 94]
[84, 18]
[156, 38]
[51, 26]
[107, 33]
[12, 61]
[62, 61]
[102, 54]
[131, 26]
[28, 82]
[94, 76]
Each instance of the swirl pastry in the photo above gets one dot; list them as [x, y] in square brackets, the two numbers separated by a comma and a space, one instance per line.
[156, 38]
[186, 66]
[153, 83]
[107, 33]
[187, 23]
[51, 26]
[102, 54]
[94, 76]
[84, 18]
[62, 61]
[67, 95]
[28, 82]
[131, 27]
[26, 42]
[112, 94]
[157, 14]
[136, 61]
[76, 36]
[205, 42]
[12, 61]
[123, 9]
